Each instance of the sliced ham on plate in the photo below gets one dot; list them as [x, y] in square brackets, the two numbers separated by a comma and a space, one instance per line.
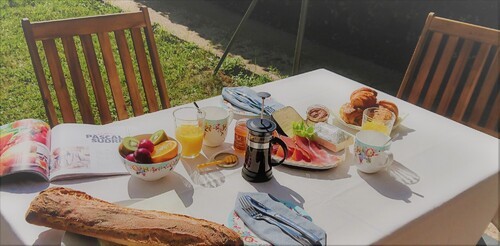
[306, 153]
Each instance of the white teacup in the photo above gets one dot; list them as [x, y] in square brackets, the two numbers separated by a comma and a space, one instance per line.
[217, 120]
[371, 151]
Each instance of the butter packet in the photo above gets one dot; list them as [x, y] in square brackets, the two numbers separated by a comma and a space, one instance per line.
[332, 137]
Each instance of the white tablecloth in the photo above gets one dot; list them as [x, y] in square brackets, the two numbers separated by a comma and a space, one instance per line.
[442, 187]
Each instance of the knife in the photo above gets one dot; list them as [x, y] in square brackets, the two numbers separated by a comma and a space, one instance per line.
[244, 100]
[264, 209]
[295, 209]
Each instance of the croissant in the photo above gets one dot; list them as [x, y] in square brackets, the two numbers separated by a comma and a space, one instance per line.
[351, 114]
[364, 97]
[390, 106]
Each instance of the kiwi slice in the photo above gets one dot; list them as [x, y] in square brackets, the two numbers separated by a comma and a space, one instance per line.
[158, 137]
[130, 144]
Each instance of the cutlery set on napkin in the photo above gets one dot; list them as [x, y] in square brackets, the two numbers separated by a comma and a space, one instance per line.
[246, 99]
[275, 223]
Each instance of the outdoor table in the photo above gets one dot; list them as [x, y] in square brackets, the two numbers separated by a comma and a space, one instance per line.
[441, 189]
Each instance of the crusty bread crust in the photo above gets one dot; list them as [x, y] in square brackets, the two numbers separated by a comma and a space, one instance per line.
[75, 211]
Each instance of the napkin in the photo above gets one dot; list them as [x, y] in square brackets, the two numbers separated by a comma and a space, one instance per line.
[272, 233]
[250, 101]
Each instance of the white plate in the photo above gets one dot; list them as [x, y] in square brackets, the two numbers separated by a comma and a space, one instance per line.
[336, 114]
[308, 165]
[237, 111]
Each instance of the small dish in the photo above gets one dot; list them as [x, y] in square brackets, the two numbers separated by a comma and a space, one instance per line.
[336, 115]
[152, 171]
[220, 156]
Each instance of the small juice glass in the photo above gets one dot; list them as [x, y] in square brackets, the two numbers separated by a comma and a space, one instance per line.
[240, 136]
[189, 130]
[378, 119]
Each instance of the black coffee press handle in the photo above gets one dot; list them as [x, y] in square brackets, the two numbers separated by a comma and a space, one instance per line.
[283, 145]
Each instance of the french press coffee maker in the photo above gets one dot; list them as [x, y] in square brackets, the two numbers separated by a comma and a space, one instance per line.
[258, 163]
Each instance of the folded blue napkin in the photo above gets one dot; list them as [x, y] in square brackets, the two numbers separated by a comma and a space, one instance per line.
[246, 99]
[272, 233]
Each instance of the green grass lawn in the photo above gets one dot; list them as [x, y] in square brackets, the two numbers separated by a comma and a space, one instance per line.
[187, 68]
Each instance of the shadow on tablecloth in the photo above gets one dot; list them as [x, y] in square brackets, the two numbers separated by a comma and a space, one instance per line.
[282, 193]
[391, 183]
[138, 188]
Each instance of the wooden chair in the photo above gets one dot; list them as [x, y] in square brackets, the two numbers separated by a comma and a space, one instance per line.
[454, 71]
[48, 32]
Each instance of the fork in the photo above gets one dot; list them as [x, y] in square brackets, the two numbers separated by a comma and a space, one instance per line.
[250, 210]
[270, 110]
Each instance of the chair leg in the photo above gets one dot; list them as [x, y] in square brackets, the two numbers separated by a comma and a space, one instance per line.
[300, 36]
[245, 17]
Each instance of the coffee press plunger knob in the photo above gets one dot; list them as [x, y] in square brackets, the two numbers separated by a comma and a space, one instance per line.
[263, 95]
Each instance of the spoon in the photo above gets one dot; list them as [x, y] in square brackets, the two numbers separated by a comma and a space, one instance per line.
[392, 138]
[228, 159]
[197, 107]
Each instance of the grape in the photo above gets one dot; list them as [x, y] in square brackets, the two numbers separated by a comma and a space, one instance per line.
[143, 155]
[146, 144]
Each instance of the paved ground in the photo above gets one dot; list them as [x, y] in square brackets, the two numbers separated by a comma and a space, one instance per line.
[210, 27]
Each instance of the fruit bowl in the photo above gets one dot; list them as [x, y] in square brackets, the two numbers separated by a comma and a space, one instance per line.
[150, 171]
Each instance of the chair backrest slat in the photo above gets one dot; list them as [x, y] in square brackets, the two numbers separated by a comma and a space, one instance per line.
[142, 61]
[39, 73]
[406, 84]
[454, 71]
[486, 89]
[111, 71]
[91, 30]
[162, 87]
[471, 82]
[78, 82]
[454, 79]
[465, 30]
[437, 79]
[128, 69]
[425, 68]
[63, 97]
[86, 25]
[492, 120]
[96, 78]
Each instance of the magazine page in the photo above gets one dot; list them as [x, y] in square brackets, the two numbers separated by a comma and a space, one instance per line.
[24, 147]
[79, 150]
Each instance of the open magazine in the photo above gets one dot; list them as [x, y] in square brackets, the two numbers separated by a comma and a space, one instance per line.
[63, 152]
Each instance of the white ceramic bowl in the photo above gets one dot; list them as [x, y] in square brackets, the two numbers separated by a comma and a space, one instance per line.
[153, 171]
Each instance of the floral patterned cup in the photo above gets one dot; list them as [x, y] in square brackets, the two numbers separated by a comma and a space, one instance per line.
[371, 151]
[216, 122]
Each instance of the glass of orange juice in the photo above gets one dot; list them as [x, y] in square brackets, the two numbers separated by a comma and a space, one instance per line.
[378, 119]
[189, 130]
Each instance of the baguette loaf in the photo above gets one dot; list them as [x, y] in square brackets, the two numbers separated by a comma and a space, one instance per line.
[75, 211]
